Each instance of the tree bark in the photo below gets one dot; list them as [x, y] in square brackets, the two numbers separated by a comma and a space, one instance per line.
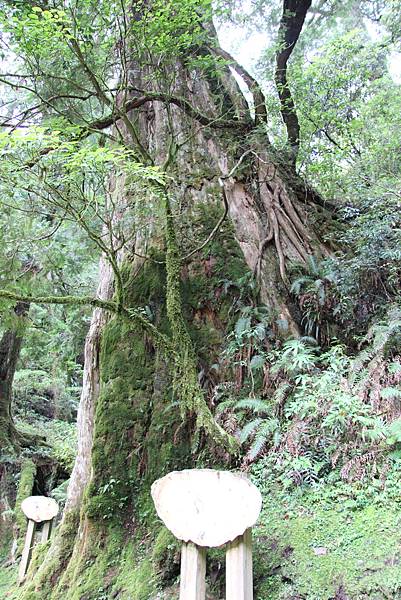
[10, 346]
[291, 24]
[90, 391]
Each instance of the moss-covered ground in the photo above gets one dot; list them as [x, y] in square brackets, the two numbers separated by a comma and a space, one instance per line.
[313, 547]
[306, 547]
[8, 581]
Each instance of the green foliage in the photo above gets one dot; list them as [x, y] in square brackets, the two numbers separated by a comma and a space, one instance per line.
[37, 391]
[313, 291]
[304, 414]
[62, 437]
[320, 414]
[8, 580]
[172, 28]
[349, 107]
[59, 493]
[34, 31]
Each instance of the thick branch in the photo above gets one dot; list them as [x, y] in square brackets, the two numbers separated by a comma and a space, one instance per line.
[71, 300]
[183, 104]
[254, 87]
[134, 316]
[292, 20]
[113, 117]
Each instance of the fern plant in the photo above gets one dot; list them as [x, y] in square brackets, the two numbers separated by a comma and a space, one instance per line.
[262, 430]
[383, 340]
[313, 291]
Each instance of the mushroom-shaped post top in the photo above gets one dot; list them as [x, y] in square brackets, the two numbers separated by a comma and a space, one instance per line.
[39, 508]
[206, 507]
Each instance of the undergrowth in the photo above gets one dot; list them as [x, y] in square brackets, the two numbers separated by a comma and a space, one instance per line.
[319, 414]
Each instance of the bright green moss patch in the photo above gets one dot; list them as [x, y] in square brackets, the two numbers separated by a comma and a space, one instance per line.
[8, 581]
[136, 577]
[38, 554]
[93, 565]
[125, 407]
[317, 551]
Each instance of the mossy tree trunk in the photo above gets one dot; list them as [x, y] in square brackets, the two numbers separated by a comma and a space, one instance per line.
[130, 429]
[10, 346]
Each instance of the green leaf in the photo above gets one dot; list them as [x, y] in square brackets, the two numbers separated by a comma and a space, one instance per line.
[257, 362]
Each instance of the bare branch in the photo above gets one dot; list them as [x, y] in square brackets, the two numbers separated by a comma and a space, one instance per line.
[182, 103]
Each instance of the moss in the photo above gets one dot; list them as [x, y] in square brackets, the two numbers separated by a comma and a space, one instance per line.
[136, 578]
[149, 285]
[190, 395]
[318, 552]
[8, 444]
[126, 417]
[133, 418]
[25, 486]
[207, 306]
[186, 384]
[8, 581]
[166, 556]
[38, 554]
[92, 565]
[121, 418]
[105, 564]
[138, 437]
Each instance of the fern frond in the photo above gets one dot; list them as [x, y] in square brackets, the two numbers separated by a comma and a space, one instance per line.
[281, 392]
[249, 429]
[255, 404]
[223, 406]
[258, 445]
[390, 392]
[298, 284]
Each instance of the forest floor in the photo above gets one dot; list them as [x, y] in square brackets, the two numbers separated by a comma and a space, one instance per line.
[342, 542]
[331, 544]
[8, 581]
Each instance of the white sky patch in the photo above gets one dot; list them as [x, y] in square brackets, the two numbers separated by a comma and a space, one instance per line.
[245, 47]
[394, 66]
[376, 33]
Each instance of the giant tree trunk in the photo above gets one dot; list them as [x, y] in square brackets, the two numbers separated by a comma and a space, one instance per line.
[130, 430]
[10, 346]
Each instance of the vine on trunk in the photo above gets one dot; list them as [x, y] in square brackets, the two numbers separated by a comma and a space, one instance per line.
[186, 374]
